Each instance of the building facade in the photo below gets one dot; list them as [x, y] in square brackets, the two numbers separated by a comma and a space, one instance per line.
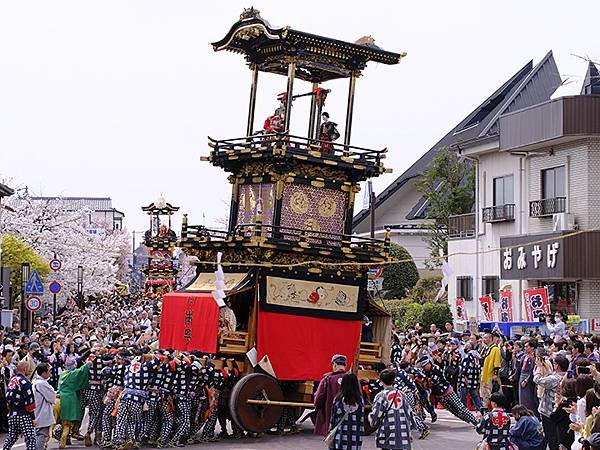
[401, 207]
[103, 216]
[537, 217]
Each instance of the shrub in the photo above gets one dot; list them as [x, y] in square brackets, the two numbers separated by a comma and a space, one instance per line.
[438, 313]
[406, 313]
[399, 278]
[426, 289]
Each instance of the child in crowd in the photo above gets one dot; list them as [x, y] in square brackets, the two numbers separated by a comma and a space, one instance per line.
[394, 416]
[495, 425]
[526, 434]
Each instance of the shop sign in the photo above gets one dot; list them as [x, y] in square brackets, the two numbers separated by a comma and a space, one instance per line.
[550, 256]
[532, 257]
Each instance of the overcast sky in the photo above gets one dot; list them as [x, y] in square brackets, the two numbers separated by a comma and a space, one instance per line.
[117, 98]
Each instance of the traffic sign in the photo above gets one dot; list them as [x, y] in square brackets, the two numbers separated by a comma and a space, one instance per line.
[33, 303]
[34, 284]
[55, 264]
[55, 287]
[375, 285]
[375, 272]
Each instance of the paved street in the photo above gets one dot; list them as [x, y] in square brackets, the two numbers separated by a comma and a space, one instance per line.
[448, 433]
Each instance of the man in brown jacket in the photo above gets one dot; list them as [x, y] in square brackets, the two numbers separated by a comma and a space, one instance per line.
[328, 388]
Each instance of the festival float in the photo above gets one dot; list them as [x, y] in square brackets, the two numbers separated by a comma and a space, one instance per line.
[288, 265]
[161, 241]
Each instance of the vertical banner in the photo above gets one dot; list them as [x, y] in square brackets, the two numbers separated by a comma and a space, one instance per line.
[536, 303]
[505, 313]
[487, 304]
[461, 309]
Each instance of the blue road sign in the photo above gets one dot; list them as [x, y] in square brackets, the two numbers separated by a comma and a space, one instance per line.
[55, 287]
[34, 285]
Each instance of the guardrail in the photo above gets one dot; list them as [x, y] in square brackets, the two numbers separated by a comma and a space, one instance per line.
[461, 226]
[500, 213]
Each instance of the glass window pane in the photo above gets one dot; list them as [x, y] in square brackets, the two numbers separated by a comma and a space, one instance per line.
[548, 183]
[508, 190]
[560, 182]
[470, 288]
[498, 191]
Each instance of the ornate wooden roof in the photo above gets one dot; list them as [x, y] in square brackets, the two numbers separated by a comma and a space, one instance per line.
[167, 209]
[318, 58]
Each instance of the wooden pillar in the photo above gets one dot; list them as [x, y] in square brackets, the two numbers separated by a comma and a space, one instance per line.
[252, 104]
[278, 204]
[349, 112]
[350, 209]
[313, 108]
[318, 120]
[290, 90]
[234, 207]
[184, 224]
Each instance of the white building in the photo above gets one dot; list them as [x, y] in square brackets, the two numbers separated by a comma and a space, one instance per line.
[401, 208]
[538, 180]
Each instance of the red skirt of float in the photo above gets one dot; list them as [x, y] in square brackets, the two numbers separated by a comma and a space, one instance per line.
[189, 321]
[301, 347]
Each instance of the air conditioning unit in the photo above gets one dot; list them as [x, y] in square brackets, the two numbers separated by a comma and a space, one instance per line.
[563, 222]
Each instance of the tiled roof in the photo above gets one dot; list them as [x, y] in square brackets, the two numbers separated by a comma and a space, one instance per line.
[73, 203]
[5, 191]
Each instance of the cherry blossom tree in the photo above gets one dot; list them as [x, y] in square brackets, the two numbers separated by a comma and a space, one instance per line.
[51, 229]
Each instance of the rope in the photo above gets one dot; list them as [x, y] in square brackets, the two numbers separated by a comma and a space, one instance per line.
[346, 263]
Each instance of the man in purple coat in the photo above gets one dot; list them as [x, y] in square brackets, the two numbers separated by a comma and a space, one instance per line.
[328, 388]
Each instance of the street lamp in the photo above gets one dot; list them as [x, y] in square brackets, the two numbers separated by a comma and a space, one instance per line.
[80, 286]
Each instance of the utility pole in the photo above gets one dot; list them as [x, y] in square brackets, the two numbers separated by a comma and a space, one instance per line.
[80, 286]
[371, 207]
[25, 272]
[54, 301]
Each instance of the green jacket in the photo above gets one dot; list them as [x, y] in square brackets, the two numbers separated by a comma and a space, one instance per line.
[70, 384]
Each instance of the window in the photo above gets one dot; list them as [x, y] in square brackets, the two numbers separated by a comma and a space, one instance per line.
[464, 288]
[554, 183]
[504, 190]
[491, 286]
[562, 296]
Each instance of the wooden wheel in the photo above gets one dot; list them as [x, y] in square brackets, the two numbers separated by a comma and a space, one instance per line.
[250, 417]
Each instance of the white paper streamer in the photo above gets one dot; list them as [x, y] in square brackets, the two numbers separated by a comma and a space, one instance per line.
[219, 294]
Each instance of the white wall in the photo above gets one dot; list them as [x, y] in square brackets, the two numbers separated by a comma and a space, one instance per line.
[479, 257]
[417, 247]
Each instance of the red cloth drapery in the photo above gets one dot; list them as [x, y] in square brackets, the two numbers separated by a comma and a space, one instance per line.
[301, 347]
[189, 321]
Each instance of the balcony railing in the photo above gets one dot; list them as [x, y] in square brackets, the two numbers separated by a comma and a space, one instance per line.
[500, 213]
[298, 145]
[461, 226]
[547, 206]
[319, 240]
